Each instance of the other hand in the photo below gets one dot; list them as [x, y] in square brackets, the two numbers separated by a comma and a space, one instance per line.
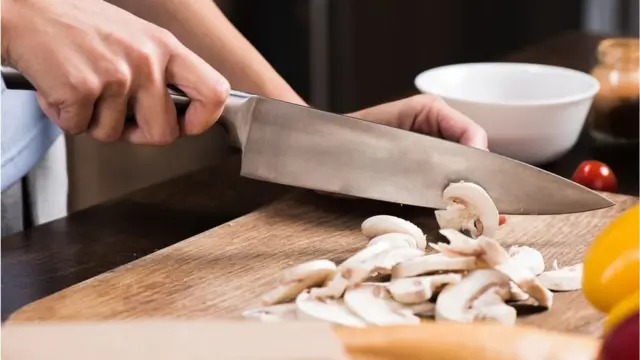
[90, 60]
[428, 115]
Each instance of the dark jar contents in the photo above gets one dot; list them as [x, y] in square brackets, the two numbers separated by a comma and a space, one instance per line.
[615, 114]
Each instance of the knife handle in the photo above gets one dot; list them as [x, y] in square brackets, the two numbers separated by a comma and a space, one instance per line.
[15, 80]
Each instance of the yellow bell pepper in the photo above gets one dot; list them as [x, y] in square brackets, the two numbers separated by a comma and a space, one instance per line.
[611, 264]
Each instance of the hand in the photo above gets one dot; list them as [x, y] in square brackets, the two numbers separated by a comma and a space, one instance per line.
[429, 115]
[89, 60]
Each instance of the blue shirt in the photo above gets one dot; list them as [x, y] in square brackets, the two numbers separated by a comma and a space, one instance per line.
[26, 134]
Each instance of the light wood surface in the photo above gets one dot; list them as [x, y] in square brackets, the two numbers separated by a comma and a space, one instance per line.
[221, 272]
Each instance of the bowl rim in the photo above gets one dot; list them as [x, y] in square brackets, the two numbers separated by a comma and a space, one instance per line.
[591, 92]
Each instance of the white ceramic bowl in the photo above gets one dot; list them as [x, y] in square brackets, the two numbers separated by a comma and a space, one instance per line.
[532, 113]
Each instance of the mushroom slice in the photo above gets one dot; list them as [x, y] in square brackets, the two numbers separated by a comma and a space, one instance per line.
[395, 240]
[415, 290]
[385, 224]
[288, 291]
[455, 300]
[356, 269]
[388, 259]
[423, 309]
[276, 313]
[477, 214]
[564, 279]
[298, 278]
[516, 293]
[432, 263]
[498, 258]
[373, 303]
[490, 306]
[527, 257]
[333, 311]
[459, 244]
[318, 269]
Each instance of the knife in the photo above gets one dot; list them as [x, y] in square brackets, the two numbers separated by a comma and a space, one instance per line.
[304, 147]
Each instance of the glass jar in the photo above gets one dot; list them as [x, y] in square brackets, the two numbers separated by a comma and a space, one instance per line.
[614, 115]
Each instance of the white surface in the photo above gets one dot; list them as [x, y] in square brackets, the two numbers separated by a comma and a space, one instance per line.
[532, 113]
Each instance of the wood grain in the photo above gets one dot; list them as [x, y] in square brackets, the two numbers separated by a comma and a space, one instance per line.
[220, 272]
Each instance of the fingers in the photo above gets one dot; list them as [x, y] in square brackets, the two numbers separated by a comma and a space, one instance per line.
[71, 109]
[108, 118]
[207, 89]
[156, 117]
[437, 117]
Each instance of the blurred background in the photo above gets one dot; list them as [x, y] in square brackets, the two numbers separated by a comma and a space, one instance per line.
[341, 55]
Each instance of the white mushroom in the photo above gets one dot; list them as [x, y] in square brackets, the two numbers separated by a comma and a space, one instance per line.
[356, 269]
[432, 263]
[373, 303]
[470, 208]
[385, 224]
[319, 269]
[415, 290]
[298, 278]
[423, 309]
[287, 292]
[527, 257]
[276, 313]
[454, 301]
[517, 294]
[490, 306]
[459, 244]
[563, 279]
[388, 259]
[498, 258]
[333, 311]
[395, 239]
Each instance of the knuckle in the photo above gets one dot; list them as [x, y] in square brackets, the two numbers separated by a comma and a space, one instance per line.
[83, 88]
[217, 92]
[165, 37]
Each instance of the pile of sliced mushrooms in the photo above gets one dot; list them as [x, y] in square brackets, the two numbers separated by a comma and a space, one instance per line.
[394, 280]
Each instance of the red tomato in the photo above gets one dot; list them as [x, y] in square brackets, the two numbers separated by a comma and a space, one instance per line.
[596, 176]
[622, 341]
[502, 219]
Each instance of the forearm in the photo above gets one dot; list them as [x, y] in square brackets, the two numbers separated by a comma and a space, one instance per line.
[201, 26]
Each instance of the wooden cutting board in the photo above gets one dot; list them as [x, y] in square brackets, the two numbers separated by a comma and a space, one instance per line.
[223, 271]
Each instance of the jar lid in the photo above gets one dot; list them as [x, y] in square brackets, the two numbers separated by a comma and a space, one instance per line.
[619, 50]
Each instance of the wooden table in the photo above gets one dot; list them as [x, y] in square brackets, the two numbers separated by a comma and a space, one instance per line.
[62, 253]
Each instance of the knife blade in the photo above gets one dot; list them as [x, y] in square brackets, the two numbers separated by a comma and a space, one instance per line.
[304, 147]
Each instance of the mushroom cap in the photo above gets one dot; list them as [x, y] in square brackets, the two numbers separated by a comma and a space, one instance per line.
[384, 224]
[455, 300]
[476, 200]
